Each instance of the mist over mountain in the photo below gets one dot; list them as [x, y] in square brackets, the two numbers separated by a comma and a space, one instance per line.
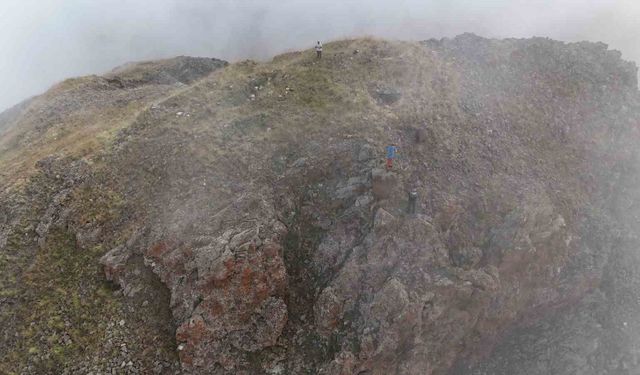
[446, 188]
[44, 42]
[442, 207]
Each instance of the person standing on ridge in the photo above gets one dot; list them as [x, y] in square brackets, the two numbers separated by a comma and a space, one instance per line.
[319, 50]
[413, 199]
[391, 154]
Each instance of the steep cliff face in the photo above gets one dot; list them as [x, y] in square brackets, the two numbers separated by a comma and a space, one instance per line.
[246, 216]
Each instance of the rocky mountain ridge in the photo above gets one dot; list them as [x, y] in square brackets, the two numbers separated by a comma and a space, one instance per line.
[247, 224]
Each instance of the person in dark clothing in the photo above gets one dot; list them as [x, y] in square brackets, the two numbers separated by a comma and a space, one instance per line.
[391, 154]
[319, 50]
[413, 200]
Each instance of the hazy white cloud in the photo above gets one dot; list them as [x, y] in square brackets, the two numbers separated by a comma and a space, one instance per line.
[44, 41]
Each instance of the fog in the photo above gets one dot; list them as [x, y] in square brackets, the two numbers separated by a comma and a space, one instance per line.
[45, 41]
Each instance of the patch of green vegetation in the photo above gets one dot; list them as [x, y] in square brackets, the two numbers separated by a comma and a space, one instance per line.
[12, 260]
[99, 205]
[318, 91]
[66, 306]
[4, 261]
[245, 126]
[14, 241]
[8, 293]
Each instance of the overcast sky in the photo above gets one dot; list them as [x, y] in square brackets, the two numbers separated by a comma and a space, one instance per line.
[45, 41]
